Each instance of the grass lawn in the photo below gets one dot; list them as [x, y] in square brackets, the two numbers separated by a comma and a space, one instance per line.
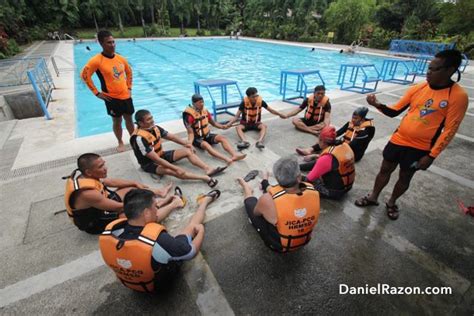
[133, 31]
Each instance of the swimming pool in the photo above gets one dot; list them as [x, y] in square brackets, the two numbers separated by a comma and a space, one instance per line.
[164, 72]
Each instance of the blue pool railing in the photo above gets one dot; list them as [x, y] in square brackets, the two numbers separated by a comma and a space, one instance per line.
[43, 85]
[360, 78]
[223, 85]
[301, 83]
[417, 48]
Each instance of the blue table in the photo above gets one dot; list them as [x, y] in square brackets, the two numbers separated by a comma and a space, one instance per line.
[363, 78]
[301, 85]
[223, 85]
[399, 71]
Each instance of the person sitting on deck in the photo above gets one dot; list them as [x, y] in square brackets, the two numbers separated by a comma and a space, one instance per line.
[196, 119]
[251, 110]
[333, 173]
[285, 215]
[143, 255]
[317, 114]
[146, 144]
[89, 202]
[357, 133]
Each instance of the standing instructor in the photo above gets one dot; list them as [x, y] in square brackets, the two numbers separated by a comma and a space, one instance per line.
[115, 77]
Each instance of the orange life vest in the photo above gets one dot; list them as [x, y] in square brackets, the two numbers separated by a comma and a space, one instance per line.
[75, 183]
[253, 113]
[155, 141]
[315, 112]
[131, 259]
[343, 175]
[297, 214]
[352, 130]
[201, 121]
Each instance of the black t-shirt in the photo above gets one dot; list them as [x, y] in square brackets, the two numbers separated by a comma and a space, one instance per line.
[141, 147]
[177, 247]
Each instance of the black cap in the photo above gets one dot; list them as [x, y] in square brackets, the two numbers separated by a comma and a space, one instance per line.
[196, 97]
[361, 111]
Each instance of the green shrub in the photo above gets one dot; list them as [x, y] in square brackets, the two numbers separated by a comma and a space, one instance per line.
[381, 38]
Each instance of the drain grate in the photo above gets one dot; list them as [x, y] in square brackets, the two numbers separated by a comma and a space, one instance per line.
[20, 172]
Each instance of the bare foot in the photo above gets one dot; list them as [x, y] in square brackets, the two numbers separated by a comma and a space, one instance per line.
[166, 189]
[239, 157]
[121, 147]
[241, 181]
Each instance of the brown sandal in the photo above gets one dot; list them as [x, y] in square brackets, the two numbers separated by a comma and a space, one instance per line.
[364, 201]
[392, 211]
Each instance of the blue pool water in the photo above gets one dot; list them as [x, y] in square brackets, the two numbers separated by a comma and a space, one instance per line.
[164, 72]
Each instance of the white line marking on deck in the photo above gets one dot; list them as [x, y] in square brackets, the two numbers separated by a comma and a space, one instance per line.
[452, 176]
[210, 298]
[469, 139]
[50, 278]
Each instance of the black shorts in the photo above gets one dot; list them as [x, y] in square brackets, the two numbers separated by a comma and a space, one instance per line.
[403, 155]
[310, 122]
[151, 167]
[268, 232]
[93, 220]
[210, 138]
[117, 107]
[250, 126]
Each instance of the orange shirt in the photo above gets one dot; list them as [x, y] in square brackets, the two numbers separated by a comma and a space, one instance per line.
[433, 117]
[111, 73]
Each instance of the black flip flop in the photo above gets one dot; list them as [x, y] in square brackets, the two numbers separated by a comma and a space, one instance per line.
[212, 183]
[179, 192]
[213, 194]
[217, 171]
[243, 145]
[251, 175]
[364, 201]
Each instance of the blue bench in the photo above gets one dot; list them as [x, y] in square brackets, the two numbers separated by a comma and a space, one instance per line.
[361, 77]
[223, 85]
[301, 84]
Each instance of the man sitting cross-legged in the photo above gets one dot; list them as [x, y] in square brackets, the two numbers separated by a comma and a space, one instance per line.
[89, 202]
[143, 255]
[317, 114]
[197, 119]
[251, 110]
[146, 144]
[285, 215]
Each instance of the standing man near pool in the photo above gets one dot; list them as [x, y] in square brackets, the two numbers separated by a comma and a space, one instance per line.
[115, 77]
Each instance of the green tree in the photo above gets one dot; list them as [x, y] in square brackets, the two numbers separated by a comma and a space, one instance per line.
[92, 8]
[182, 10]
[346, 18]
[457, 18]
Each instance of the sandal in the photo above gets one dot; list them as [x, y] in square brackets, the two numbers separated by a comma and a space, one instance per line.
[214, 195]
[212, 182]
[363, 202]
[217, 171]
[259, 145]
[178, 192]
[243, 145]
[392, 211]
[251, 175]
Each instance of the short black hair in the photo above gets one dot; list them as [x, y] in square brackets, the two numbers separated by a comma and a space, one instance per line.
[320, 88]
[103, 34]
[452, 58]
[140, 115]
[136, 201]
[85, 161]
[251, 91]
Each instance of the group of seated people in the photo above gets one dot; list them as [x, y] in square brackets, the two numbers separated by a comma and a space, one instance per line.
[136, 245]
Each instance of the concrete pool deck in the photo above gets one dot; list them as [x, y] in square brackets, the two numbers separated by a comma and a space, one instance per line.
[49, 267]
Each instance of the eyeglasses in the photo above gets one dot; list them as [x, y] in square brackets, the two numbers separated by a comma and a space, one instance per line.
[434, 69]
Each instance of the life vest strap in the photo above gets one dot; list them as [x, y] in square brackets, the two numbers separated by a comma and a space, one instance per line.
[142, 284]
[290, 238]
